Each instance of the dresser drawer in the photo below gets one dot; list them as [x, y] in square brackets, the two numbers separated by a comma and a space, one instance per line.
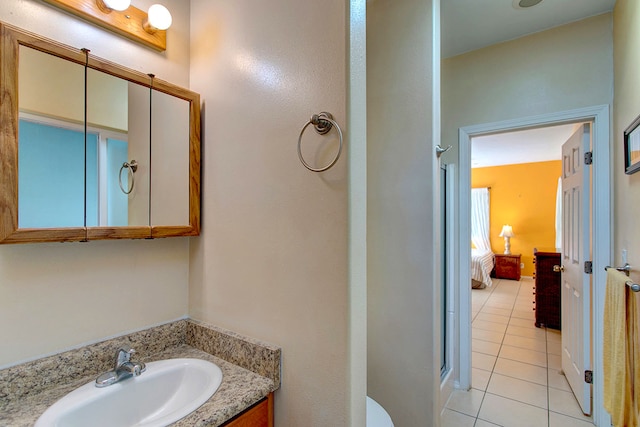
[547, 290]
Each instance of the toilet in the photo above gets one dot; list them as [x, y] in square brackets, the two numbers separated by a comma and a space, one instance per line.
[376, 415]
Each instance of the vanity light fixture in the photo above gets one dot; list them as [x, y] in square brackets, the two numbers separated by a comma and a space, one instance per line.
[159, 18]
[122, 18]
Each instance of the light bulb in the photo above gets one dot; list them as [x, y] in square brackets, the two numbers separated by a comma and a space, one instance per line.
[159, 17]
[119, 5]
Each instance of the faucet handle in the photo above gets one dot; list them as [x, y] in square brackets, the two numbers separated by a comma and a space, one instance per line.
[123, 355]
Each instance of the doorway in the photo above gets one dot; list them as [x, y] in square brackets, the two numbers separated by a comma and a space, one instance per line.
[599, 229]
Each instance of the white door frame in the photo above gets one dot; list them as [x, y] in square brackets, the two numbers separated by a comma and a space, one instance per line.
[600, 232]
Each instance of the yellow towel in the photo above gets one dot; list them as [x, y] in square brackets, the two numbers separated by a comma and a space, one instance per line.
[619, 351]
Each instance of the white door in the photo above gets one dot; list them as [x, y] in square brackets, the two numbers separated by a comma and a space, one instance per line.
[576, 284]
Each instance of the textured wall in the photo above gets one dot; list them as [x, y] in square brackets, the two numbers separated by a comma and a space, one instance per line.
[57, 296]
[402, 211]
[561, 69]
[626, 107]
[272, 259]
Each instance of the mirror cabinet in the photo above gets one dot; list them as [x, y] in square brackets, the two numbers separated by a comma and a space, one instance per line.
[91, 150]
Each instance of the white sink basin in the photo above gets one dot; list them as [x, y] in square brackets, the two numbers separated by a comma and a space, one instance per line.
[167, 391]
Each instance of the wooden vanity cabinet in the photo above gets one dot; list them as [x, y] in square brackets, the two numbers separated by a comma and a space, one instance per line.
[259, 415]
[547, 289]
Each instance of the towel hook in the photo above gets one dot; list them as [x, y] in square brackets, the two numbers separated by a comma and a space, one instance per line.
[440, 150]
[323, 123]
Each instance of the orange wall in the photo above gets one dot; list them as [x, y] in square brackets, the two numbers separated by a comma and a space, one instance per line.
[524, 196]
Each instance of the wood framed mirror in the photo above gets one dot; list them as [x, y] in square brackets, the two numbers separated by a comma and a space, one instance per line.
[91, 150]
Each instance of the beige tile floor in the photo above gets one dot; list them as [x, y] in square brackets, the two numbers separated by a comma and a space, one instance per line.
[516, 379]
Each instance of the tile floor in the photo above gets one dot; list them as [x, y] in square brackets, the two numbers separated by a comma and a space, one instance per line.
[516, 379]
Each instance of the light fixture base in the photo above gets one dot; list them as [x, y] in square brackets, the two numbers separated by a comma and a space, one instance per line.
[103, 7]
[525, 4]
[148, 27]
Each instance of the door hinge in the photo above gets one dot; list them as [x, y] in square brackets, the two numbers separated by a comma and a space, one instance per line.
[588, 267]
[588, 377]
[588, 157]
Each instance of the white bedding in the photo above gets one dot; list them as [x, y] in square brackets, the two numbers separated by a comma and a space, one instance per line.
[482, 262]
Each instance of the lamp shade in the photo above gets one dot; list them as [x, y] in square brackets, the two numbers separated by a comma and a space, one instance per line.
[159, 17]
[507, 231]
[117, 4]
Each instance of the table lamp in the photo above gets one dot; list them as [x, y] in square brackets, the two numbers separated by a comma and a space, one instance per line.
[507, 233]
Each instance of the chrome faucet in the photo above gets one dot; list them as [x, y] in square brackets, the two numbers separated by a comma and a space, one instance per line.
[124, 368]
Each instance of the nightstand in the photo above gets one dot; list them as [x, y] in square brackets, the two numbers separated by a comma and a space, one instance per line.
[508, 266]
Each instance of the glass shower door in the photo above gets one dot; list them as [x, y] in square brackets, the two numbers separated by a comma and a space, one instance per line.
[444, 366]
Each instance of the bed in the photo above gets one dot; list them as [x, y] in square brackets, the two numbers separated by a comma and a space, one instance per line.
[482, 262]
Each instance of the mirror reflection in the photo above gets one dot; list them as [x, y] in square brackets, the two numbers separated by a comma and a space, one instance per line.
[118, 122]
[51, 146]
[92, 150]
[51, 153]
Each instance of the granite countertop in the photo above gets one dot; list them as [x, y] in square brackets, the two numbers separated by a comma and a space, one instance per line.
[240, 389]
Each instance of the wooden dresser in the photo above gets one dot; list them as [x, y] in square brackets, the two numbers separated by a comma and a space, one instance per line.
[547, 290]
[507, 266]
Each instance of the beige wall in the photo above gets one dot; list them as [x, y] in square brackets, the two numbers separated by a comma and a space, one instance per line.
[403, 326]
[272, 260]
[564, 68]
[139, 118]
[170, 132]
[56, 296]
[626, 108]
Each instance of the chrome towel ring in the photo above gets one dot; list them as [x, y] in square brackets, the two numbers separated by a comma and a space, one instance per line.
[131, 170]
[323, 123]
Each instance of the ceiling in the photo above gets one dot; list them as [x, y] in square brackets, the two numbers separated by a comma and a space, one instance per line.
[527, 146]
[468, 25]
[472, 24]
